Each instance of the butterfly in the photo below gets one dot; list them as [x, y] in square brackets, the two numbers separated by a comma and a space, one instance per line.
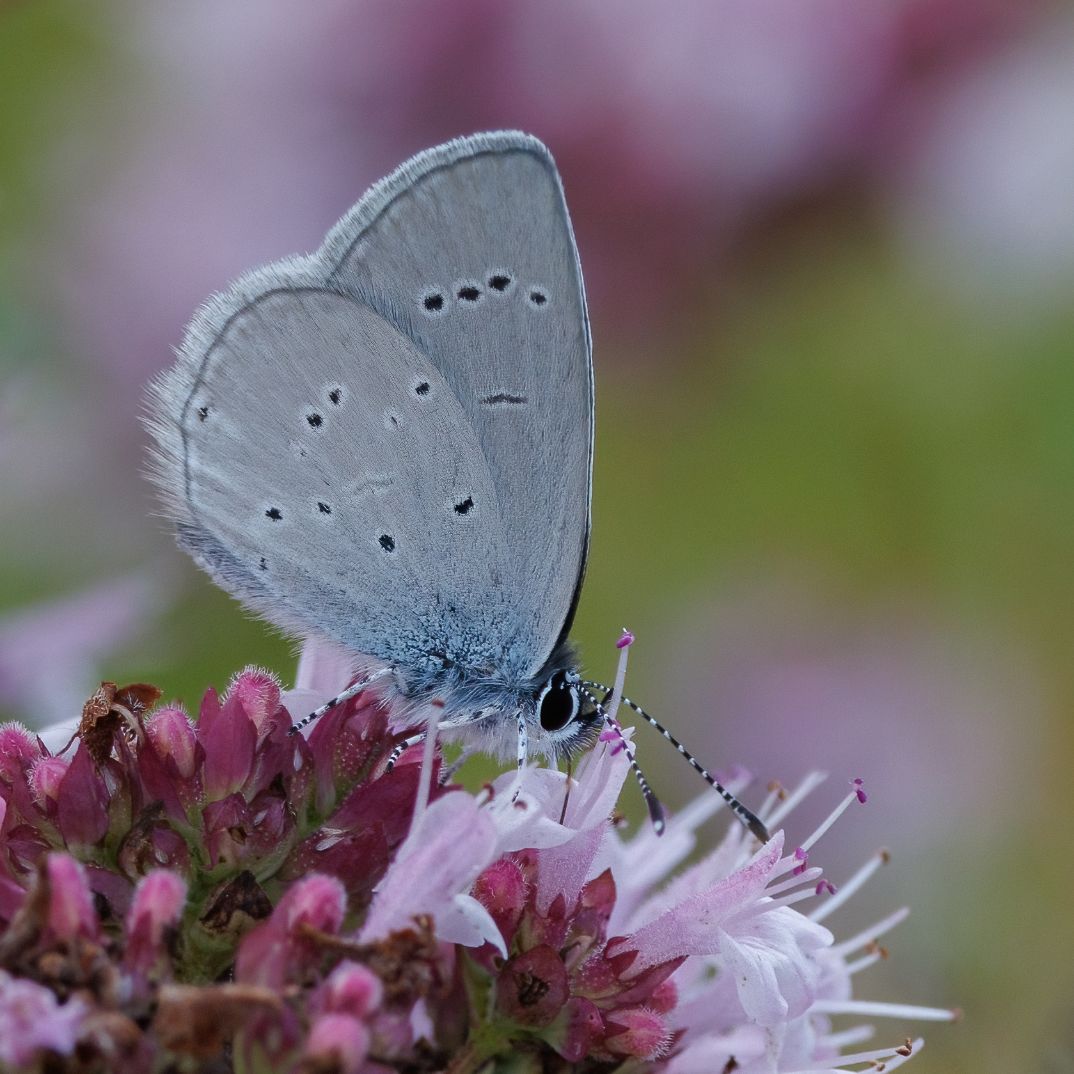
[389, 443]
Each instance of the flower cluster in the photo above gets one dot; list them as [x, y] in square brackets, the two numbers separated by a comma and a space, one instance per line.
[224, 895]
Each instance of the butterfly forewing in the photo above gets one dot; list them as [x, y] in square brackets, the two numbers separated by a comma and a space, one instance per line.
[470, 248]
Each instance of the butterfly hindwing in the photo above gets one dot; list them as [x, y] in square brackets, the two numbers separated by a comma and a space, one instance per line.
[329, 478]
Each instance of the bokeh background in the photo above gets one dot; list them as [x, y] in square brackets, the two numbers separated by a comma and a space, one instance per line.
[829, 247]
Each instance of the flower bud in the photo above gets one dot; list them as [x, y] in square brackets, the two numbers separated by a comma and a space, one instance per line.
[501, 889]
[31, 1020]
[318, 901]
[636, 1031]
[18, 751]
[532, 987]
[258, 691]
[157, 906]
[352, 989]
[70, 912]
[340, 1040]
[45, 778]
[173, 737]
[578, 1028]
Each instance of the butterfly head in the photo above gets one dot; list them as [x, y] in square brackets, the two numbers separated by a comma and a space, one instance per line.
[568, 719]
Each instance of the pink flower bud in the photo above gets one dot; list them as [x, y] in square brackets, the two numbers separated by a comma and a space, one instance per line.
[18, 751]
[157, 906]
[318, 901]
[174, 738]
[532, 987]
[579, 1027]
[352, 989]
[636, 1031]
[258, 691]
[70, 911]
[82, 805]
[45, 778]
[229, 739]
[340, 1040]
[501, 889]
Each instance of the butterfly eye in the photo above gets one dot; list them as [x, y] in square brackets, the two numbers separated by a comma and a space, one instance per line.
[557, 703]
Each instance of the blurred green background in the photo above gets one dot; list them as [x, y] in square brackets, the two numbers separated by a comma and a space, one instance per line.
[830, 252]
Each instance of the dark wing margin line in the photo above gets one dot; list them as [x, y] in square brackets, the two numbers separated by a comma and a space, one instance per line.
[199, 378]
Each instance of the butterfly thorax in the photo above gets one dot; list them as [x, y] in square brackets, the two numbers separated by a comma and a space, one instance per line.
[560, 719]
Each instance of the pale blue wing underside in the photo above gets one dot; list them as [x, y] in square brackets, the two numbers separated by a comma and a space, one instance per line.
[359, 444]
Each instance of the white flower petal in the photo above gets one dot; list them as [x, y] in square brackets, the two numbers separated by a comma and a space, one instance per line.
[467, 922]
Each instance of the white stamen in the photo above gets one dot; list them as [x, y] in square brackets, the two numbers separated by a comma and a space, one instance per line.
[872, 934]
[790, 900]
[855, 1035]
[806, 876]
[428, 760]
[850, 887]
[888, 1056]
[882, 1010]
[832, 818]
[863, 963]
[612, 708]
[807, 786]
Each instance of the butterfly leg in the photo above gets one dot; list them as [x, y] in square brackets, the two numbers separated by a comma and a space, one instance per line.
[447, 725]
[354, 688]
[447, 774]
[401, 749]
[523, 753]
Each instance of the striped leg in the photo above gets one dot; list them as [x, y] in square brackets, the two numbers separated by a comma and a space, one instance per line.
[447, 725]
[447, 773]
[746, 816]
[355, 688]
[652, 803]
[523, 753]
[401, 749]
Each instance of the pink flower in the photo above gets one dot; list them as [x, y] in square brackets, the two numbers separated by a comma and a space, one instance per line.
[285, 870]
[353, 989]
[158, 904]
[175, 740]
[71, 913]
[433, 873]
[32, 1021]
[277, 950]
[338, 1041]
